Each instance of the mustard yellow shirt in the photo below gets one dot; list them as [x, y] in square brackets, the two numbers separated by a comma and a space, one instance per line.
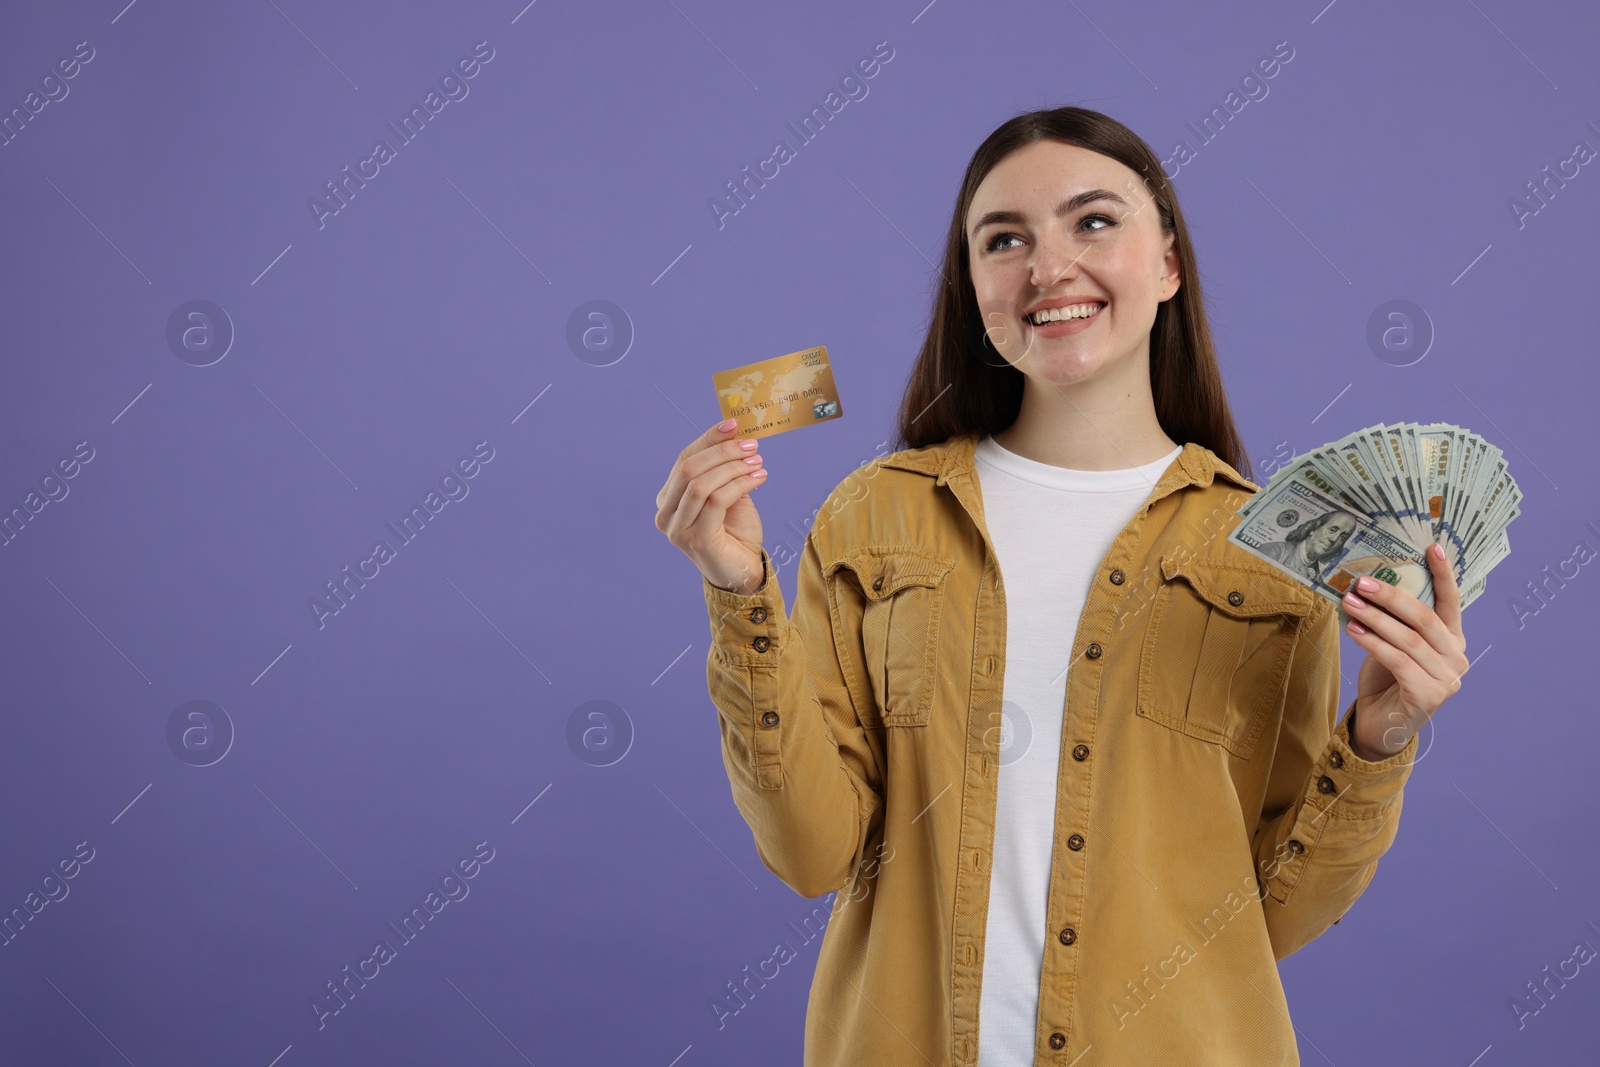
[1211, 817]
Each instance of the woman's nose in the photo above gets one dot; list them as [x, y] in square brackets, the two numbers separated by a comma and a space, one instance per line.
[1055, 260]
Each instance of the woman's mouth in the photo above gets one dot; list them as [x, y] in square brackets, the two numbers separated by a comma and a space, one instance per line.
[1059, 322]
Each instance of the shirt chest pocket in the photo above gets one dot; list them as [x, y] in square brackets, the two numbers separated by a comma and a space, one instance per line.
[1217, 649]
[901, 591]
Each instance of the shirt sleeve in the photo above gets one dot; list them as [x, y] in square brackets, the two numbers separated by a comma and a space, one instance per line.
[802, 771]
[1328, 815]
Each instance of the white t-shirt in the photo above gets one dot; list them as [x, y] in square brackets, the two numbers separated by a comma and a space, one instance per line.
[1051, 528]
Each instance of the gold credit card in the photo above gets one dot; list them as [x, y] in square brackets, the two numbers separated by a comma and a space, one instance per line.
[779, 394]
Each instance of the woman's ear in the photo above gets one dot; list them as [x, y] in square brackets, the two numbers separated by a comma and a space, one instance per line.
[1171, 277]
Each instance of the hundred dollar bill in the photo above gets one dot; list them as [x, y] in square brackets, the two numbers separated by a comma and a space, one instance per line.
[1419, 483]
[1314, 470]
[1326, 544]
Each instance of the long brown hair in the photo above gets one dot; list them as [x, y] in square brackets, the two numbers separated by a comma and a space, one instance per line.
[954, 390]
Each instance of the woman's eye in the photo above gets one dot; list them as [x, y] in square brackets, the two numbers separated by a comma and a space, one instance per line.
[993, 244]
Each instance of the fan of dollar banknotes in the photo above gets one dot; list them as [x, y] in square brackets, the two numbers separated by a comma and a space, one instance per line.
[1372, 502]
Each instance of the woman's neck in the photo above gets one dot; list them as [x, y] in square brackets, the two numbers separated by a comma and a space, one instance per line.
[1086, 432]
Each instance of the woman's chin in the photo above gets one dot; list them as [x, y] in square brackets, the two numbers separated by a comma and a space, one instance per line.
[1063, 368]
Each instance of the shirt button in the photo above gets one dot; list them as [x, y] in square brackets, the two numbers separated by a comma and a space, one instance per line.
[1337, 760]
[1058, 1040]
[1236, 598]
[1325, 784]
[1080, 752]
[1116, 576]
[769, 719]
[760, 644]
[758, 615]
[1093, 650]
[1296, 847]
[1075, 842]
[877, 583]
[1068, 935]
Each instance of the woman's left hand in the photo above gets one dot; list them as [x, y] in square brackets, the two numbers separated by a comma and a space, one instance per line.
[1416, 656]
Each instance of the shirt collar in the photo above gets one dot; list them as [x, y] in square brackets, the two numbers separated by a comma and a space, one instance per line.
[952, 458]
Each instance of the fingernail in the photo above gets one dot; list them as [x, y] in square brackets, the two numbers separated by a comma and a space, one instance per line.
[1356, 627]
[1367, 585]
[727, 424]
[1438, 550]
[1354, 601]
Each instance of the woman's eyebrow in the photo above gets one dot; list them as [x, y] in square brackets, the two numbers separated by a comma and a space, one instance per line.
[1066, 207]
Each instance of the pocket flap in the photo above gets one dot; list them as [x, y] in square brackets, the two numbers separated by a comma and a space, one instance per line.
[883, 572]
[1240, 591]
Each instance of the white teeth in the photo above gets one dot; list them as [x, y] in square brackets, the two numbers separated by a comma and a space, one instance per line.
[1075, 311]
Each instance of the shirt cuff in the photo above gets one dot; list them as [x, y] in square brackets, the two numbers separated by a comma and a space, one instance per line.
[1393, 765]
[746, 629]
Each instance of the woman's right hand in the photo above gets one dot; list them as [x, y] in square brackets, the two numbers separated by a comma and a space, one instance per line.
[705, 509]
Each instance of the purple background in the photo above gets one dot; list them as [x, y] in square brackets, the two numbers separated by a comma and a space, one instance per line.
[432, 313]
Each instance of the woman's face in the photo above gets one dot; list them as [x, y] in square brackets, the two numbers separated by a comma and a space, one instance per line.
[1027, 253]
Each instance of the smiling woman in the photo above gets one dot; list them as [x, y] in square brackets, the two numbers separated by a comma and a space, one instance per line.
[1052, 224]
[1045, 558]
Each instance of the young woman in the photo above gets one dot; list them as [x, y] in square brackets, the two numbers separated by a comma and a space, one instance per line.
[1073, 762]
